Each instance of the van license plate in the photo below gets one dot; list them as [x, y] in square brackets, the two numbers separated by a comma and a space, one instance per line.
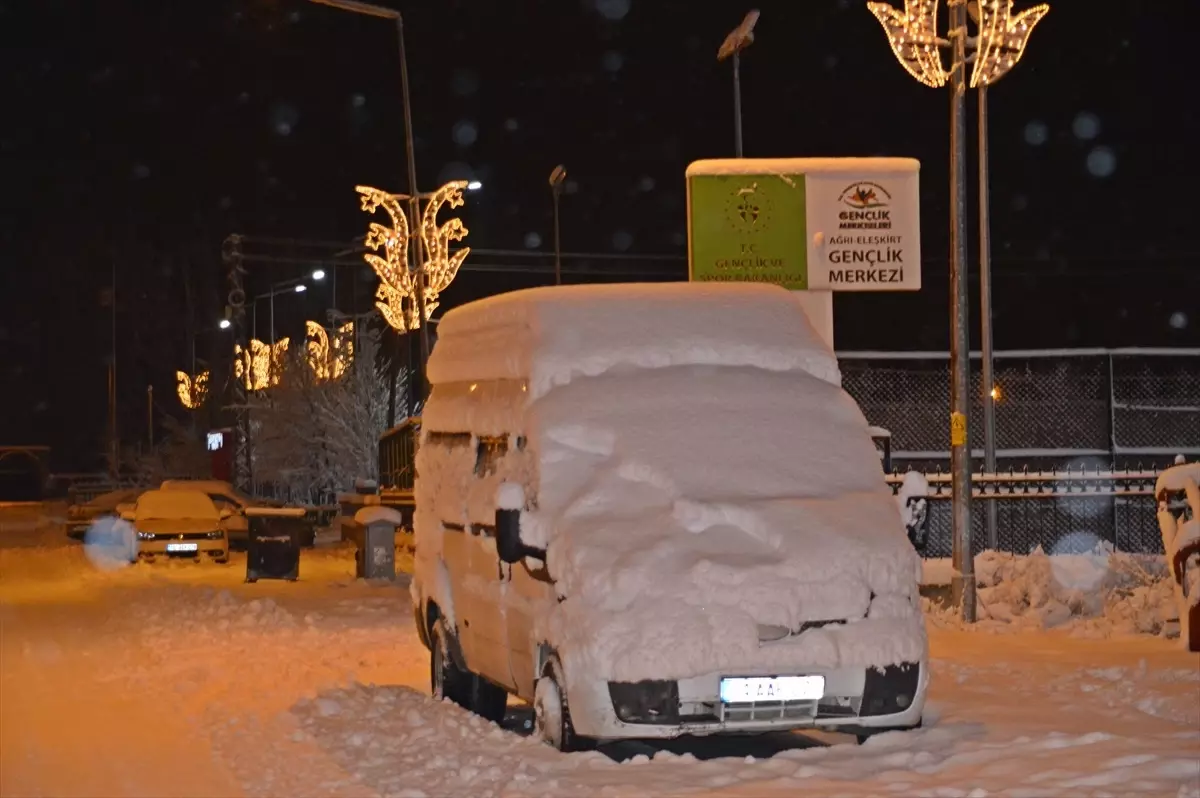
[745, 690]
[183, 547]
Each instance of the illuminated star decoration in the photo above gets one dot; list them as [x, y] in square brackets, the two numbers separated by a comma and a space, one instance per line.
[329, 359]
[913, 37]
[1002, 39]
[192, 390]
[259, 366]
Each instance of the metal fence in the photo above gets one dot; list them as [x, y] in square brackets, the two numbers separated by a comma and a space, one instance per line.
[1063, 512]
[1100, 406]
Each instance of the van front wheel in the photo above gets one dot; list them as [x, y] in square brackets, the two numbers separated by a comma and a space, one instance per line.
[551, 716]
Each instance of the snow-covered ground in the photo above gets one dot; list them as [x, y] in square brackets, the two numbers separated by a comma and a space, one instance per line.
[182, 681]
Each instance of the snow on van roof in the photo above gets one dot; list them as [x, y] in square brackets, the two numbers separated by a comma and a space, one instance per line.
[548, 336]
[806, 166]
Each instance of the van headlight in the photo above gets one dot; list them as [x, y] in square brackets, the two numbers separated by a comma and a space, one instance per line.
[216, 534]
[145, 535]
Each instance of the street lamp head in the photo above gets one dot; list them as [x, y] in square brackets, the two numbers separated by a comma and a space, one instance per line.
[366, 9]
[474, 185]
[224, 324]
[318, 274]
[558, 177]
[1002, 38]
[739, 38]
[300, 289]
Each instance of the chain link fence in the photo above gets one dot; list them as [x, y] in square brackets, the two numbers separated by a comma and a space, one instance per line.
[1107, 406]
[1055, 409]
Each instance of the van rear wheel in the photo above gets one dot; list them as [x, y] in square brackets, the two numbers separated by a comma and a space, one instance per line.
[452, 683]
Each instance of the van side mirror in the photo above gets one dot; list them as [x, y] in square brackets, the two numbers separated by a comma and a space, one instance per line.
[225, 513]
[508, 536]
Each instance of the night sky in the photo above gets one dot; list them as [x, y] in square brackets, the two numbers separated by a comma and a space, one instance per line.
[138, 135]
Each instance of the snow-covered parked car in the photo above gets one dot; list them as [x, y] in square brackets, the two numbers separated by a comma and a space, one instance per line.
[176, 523]
[226, 497]
[651, 510]
[81, 517]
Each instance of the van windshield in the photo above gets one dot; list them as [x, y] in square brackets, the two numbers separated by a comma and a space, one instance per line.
[702, 433]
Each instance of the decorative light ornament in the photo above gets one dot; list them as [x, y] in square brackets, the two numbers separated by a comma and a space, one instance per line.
[343, 350]
[1002, 39]
[913, 37]
[441, 266]
[396, 282]
[397, 285]
[261, 365]
[192, 390]
[329, 359]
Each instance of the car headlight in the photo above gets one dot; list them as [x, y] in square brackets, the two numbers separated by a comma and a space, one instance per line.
[215, 534]
[145, 535]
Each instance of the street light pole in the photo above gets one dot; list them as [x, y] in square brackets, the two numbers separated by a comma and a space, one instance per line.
[738, 39]
[985, 317]
[963, 584]
[737, 105]
[414, 200]
[370, 10]
[557, 177]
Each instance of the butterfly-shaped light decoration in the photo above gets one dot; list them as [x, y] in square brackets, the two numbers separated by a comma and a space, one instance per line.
[318, 350]
[260, 365]
[192, 390]
[441, 267]
[329, 357]
[913, 37]
[1002, 38]
[396, 282]
[341, 350]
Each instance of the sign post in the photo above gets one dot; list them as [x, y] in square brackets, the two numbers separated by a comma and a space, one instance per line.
[813, 225]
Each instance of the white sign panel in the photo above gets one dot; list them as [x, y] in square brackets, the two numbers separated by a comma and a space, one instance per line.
[864, 231]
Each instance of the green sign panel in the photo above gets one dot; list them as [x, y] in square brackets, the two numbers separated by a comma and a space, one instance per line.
[748, 228]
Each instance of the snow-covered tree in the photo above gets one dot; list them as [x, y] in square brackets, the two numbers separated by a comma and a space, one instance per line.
[312, 436]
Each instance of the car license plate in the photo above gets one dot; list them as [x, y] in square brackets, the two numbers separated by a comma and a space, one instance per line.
[183, 547]
[745, 690]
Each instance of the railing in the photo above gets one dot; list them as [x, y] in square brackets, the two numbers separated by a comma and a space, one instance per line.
[397, 455]
[1063, 511]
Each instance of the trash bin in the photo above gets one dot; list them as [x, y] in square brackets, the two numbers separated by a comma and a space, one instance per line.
[273, 548]
[375, 557]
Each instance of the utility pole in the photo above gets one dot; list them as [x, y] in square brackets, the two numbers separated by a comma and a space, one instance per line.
[114, 446]
[963, 585]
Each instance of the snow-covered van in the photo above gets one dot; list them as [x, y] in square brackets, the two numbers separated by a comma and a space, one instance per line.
[651, 510]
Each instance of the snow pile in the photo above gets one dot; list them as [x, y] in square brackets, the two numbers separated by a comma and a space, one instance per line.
[549, 336]
[209, 610]
[1095, 594]
[404, 743]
